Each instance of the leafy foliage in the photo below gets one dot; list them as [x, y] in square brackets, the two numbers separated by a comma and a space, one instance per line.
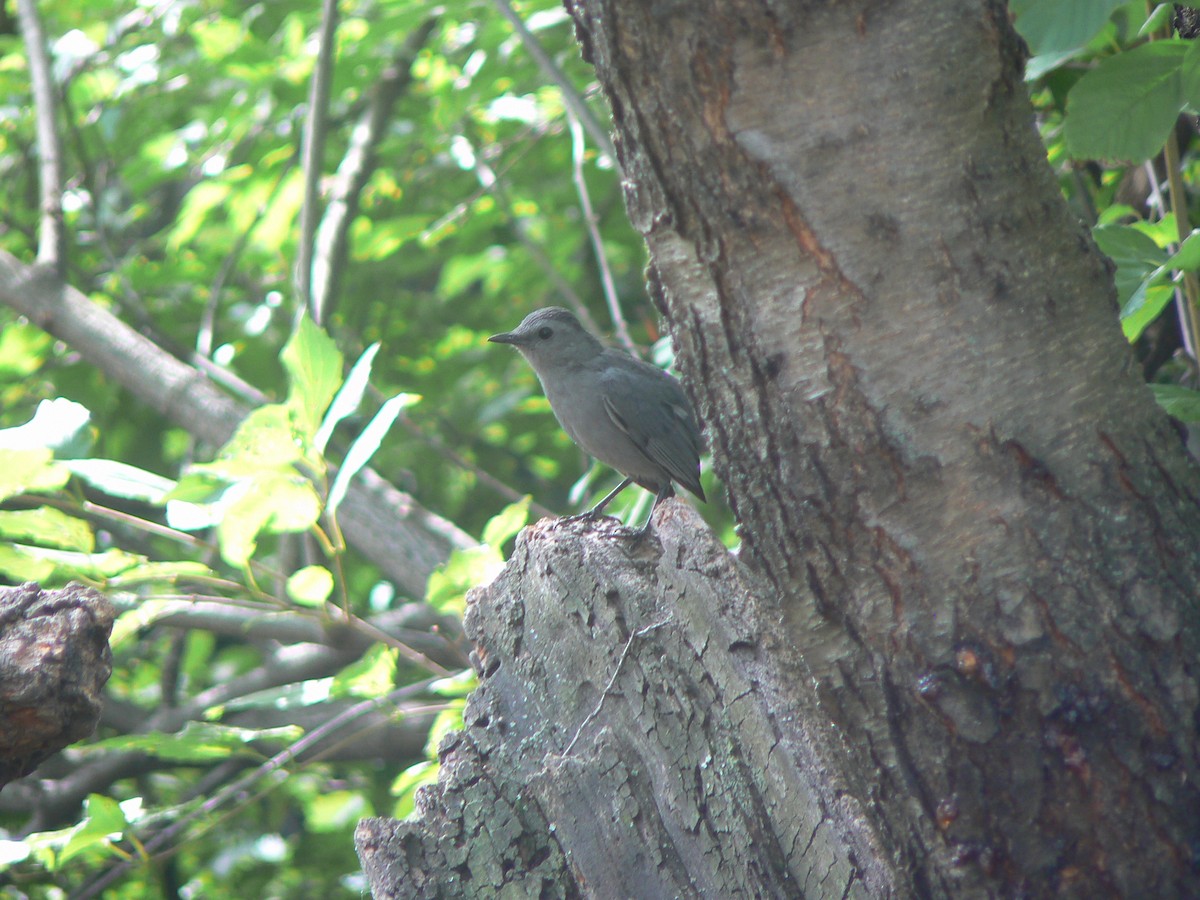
[182, 125]
[1111, 81]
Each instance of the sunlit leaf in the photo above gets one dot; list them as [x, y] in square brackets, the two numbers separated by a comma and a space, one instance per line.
[118, 479]
[374, 675]
[196, 742]
[506, 523]
[30, 471]
[347, 400]
[48, 527]
[59, 425]
[314, 366]
[269, 504]
[310, 586]
[365, 445]
[103, 822]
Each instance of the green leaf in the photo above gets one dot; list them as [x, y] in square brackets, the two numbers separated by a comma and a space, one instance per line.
[459, 685]
[266, 440]
[23, 350]
[447, 587]
[404, 788]
[269, 504]
[1147, 302]
[1180, 402]
[30, 471]
[1053, 26]
[118, 479]
[48, 527]
[508, 522]
[1190, 75]
[18, 565]
[1187, 257]
[1159, 18]
[1125, 107]
[310, 586]
[364, 447]
[76, 564]
[1137, 256]
[332, 811]
[103, 822]
[347, 401]
[448, 720]
[197, 742]
[373, 675]
[166, 572]
[314, 366]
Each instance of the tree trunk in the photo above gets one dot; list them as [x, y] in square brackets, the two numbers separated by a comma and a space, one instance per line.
[964, 611]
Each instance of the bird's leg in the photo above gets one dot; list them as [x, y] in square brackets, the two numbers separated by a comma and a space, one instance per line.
[599, 507]
[662, 495]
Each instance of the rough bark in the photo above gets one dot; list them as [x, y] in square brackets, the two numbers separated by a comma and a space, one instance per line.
[625, 739]
[54, 662]
[971, 532]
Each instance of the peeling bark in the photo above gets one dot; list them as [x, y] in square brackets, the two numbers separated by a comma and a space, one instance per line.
[54, 662]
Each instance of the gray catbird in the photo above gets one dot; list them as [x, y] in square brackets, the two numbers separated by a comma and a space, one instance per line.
[626, 413]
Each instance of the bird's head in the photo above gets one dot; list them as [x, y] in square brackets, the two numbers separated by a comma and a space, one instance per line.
[550, 339]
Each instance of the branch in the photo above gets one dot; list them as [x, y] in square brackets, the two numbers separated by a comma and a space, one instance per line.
[232, 792]
[52, 239]
[406, 541]
[571, 97]
[314, 154]
[593, 228]
[332, 239]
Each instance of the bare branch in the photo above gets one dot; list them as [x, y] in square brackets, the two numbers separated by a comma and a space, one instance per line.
[52, 239]
[314, 154]
[571, 97]
[329, 252]
[593, 227]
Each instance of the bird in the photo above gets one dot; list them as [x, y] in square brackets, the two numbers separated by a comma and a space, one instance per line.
[628, 414]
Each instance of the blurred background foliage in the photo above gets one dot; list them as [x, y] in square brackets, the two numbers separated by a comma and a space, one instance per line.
[182, 123]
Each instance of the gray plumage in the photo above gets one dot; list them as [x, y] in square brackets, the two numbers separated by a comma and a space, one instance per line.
[626, 413]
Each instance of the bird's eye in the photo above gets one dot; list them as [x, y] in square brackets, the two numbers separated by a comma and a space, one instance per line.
[544, 332]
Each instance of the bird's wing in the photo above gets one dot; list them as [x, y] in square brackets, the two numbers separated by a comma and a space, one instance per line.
[663, 429]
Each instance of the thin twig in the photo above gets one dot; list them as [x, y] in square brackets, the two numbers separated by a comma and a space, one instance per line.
[593, 227]
[332, 237]
[571, 97]
[1190, 312]
[641, 632]
[313, 158]
[52, 238]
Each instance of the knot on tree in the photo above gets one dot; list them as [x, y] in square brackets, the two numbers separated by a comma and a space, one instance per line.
[54, 662]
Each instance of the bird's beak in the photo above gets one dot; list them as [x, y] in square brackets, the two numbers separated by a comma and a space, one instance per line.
[506, 337]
